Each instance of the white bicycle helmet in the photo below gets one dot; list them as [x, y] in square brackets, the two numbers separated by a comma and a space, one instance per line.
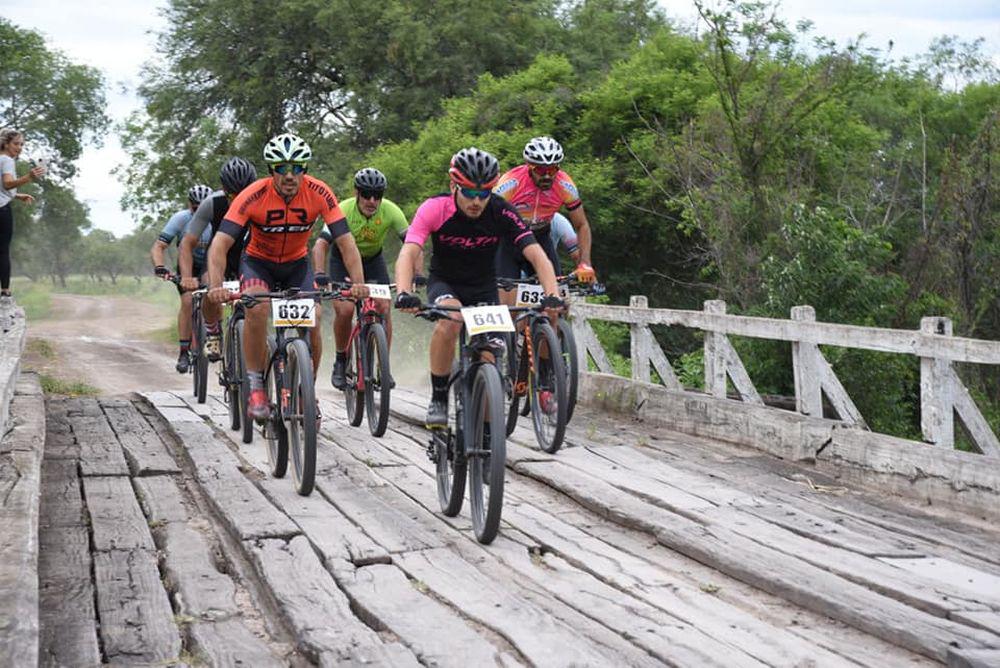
[287, 148]
[543, 151]
[198, 193]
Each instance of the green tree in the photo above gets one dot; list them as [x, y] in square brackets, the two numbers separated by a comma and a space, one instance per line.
[57, 229]
[55, 102]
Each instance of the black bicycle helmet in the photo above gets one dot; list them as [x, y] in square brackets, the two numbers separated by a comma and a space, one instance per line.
[236, 175]
[474, 168]
[370, 178]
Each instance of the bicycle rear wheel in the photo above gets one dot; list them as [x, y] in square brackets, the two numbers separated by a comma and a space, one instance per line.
[244, 394]
[568, 346]
[300, 419]
[487, 452]
[354, 399]
[274, 426]
[232, 375]
[451, 461]
[548, 388]
[377, 379]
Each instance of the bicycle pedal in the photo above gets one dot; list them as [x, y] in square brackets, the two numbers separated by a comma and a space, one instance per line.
[432, 452]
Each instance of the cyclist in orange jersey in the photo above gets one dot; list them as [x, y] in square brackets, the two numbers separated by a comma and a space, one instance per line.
[280, 210]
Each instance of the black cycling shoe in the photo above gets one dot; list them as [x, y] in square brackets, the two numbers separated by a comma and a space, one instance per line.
[338, 378]
[183, 362]
[437, 415]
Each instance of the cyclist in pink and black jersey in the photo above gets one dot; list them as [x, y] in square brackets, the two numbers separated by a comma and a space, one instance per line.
[538, 189]
[466, 226]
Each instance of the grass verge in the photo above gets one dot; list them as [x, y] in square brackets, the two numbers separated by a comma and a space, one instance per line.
[53, 385]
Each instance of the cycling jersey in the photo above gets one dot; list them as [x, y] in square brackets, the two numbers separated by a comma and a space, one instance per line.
[369, 233]
[280, 230]
[464, 248]
[175, 229]
[207, 218]
[535, 205]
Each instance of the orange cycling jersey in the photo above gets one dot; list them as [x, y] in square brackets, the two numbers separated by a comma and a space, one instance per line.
[280, 230]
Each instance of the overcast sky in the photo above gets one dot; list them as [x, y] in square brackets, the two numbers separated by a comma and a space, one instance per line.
[116, 37]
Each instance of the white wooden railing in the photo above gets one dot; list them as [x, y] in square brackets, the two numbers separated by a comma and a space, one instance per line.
[942, 393]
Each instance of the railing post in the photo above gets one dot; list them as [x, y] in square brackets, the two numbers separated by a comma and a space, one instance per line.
[639, 355]
[937, 400]
[806, 369]
[715, 359]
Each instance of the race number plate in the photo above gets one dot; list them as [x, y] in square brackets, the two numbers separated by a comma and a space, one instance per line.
[232, 286]
[563, 291]
[378, 291]
[293, 312]
[529, 295]
[479, 319]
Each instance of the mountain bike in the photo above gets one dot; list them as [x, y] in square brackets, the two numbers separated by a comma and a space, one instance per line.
[233, 369]
[198, 360]
[474, 440]
[288, 383]
[367, 368]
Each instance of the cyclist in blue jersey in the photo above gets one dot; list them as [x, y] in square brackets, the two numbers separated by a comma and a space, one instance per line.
[173, 231]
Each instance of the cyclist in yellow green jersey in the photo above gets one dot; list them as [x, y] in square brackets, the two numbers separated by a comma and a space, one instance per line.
[370, 217]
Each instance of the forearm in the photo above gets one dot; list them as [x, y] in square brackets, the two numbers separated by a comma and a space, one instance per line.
[156, 253]
[9, 182]
[319, 255]
[186, 258]
[404, 266]
[352, 258]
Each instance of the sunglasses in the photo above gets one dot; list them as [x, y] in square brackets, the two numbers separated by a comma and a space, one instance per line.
[475, 193]
[370, 194]
[545, 170]
[293, 167]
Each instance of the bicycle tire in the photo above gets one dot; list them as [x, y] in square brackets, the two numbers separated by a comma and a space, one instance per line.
[274, 427]
[486, 476]
[509, 379]
[567, 343]
[352, 397]
[377, 388]
[201, 362]
[451, 462]
[549, 375]
[244, 384]
[301, 422]
[231, 373]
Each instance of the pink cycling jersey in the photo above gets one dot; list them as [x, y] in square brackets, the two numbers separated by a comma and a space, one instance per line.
[535, 205]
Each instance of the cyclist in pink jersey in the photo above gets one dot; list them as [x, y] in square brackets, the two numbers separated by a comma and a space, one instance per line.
[538, 189]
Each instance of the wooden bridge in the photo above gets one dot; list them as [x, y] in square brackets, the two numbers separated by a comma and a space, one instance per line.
[676, 528]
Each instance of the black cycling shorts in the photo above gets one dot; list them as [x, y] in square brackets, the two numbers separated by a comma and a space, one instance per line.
[468, 295]
[374, 268]
[510, 262]
[275, 276]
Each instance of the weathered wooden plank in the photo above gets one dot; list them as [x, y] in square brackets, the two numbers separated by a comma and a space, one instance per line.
[174, 414]
[61, 445]
[163, 399]
[228, 642]
[137, 623]
[334, 535]
[61, 500]
[161, 499]
[316, 609]
[988, 620]
[199, 589]
[100, 452]
[965, 580]
[240, 505]
[973, 658]
[780, 574]
[145, 451]
[640, 578]
[526, 618]
[67, 618]
[384, 596]
[117, 521]
[83, 406]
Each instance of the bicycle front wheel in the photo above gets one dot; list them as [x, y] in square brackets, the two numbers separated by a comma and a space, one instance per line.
[377, 379]
[568, 346]
[232, 376]
[200, 360]
[244, 383]
[450, 456]
[300, 416]
[274, 426]
[486, 449]
[354, 399]
[548, 389]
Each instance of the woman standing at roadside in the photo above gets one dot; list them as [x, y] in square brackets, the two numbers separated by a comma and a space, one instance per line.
[11, 143]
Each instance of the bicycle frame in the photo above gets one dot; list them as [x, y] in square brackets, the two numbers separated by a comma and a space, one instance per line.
[366, 314]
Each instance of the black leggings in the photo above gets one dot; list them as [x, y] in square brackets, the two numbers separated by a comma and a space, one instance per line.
[6, 234]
